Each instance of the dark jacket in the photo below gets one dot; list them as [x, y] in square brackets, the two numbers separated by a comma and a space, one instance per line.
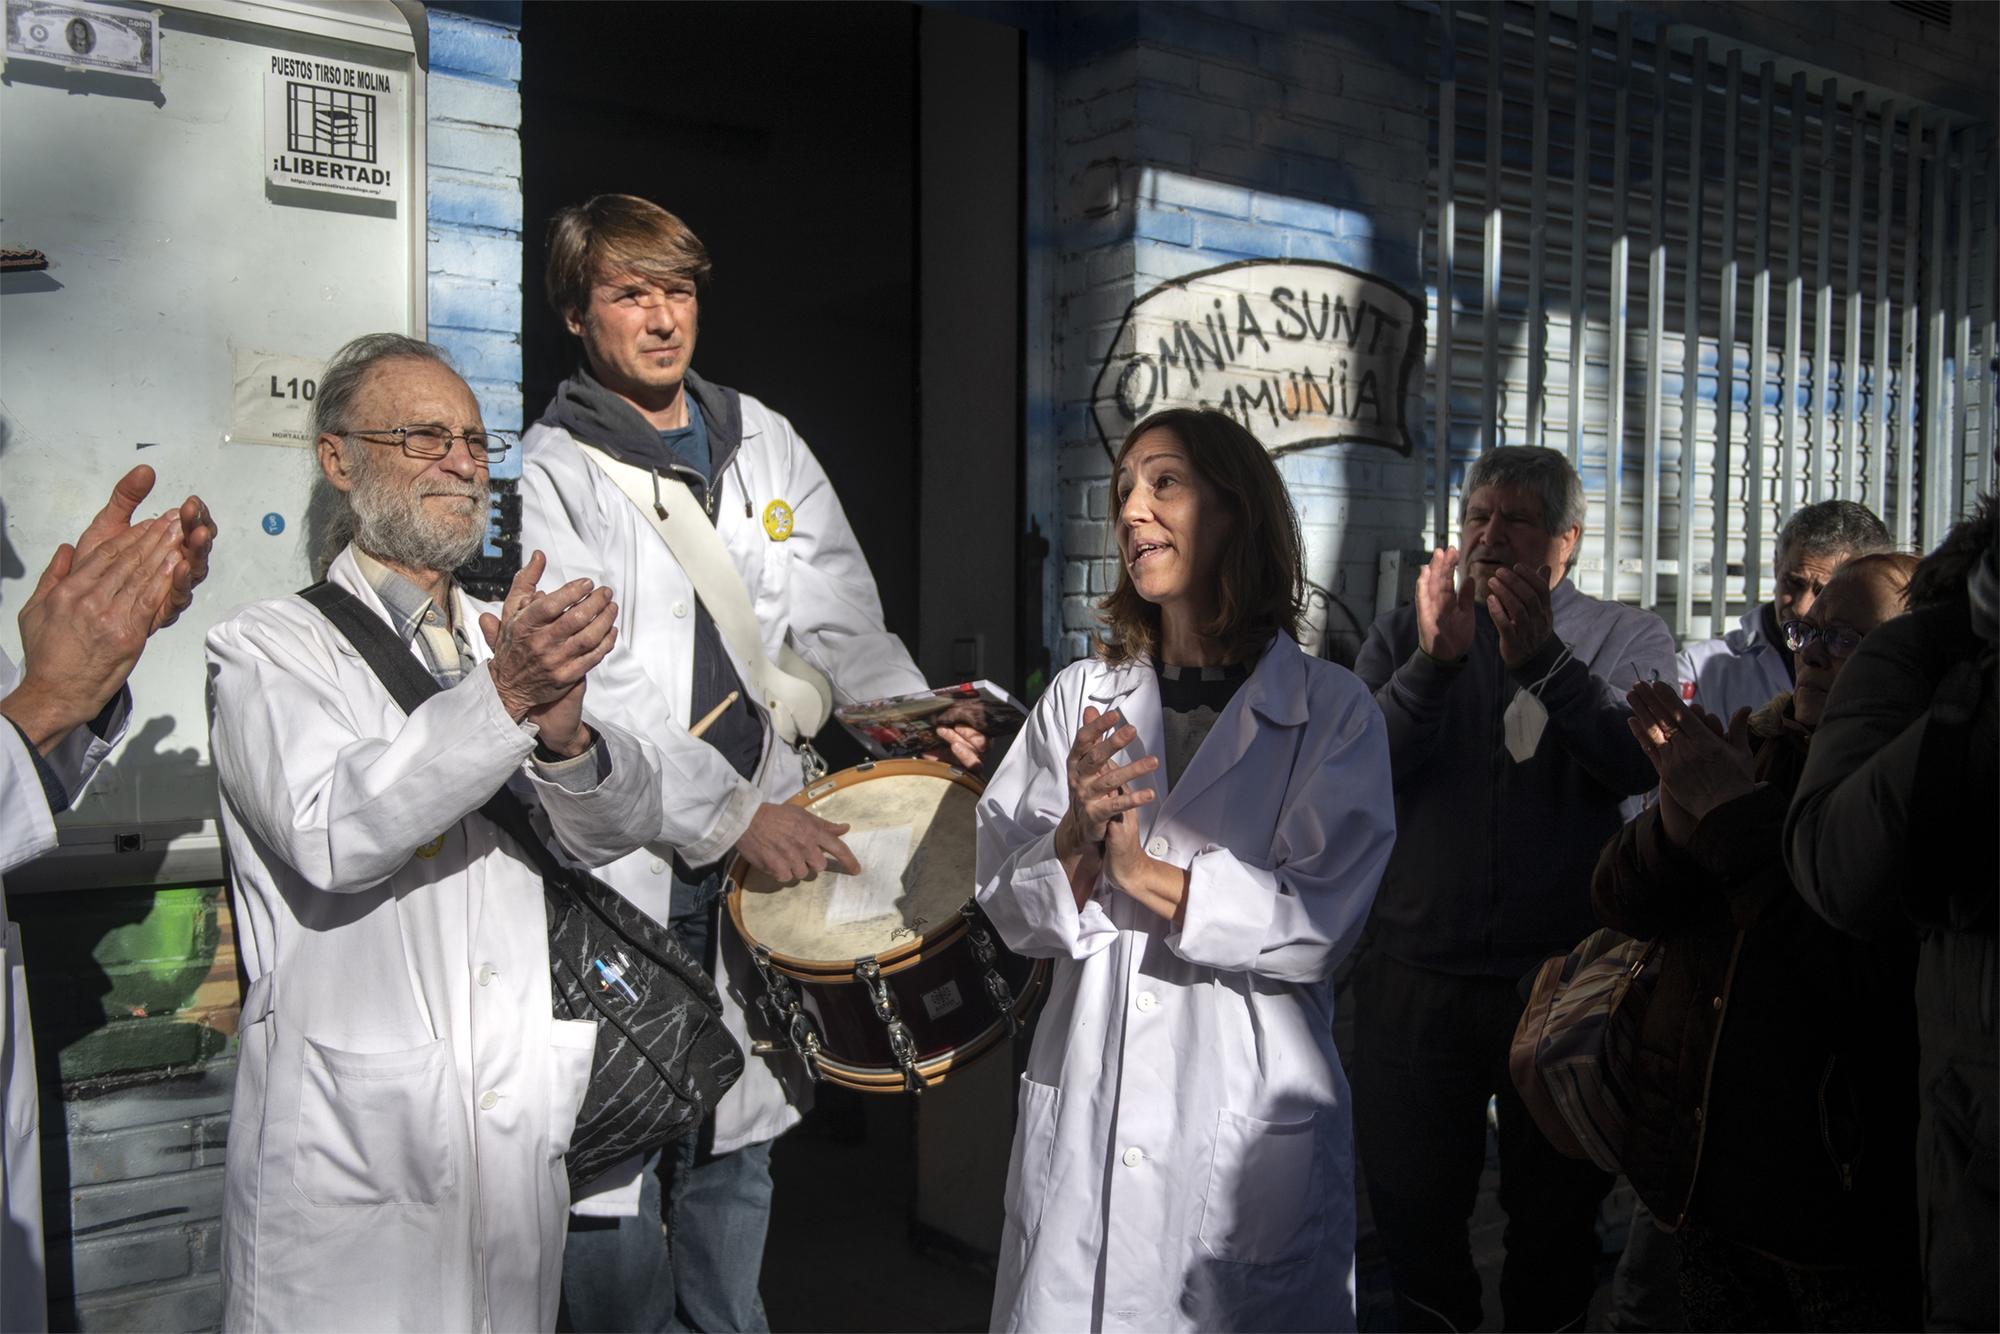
[1893, 825]
[1491, 872]
[1772, 1087]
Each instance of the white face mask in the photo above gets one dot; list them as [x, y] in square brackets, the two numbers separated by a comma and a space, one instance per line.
[1525, 720]
[1523, 724]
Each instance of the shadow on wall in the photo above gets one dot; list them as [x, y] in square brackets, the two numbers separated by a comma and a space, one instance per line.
[134, 992]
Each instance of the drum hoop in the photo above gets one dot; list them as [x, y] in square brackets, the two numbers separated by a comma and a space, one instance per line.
[888, 1079]
[902, 956]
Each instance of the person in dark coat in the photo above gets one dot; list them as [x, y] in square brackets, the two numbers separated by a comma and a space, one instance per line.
[1772, 1121]
[1503, 686]
[1893, 828]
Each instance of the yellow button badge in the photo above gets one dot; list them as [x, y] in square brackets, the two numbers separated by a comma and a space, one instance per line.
[777, 521]
[432, 848]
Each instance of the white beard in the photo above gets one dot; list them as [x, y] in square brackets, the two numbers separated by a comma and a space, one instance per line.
[393, 524]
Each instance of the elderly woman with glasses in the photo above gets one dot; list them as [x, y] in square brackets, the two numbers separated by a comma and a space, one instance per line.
[1771, 1123]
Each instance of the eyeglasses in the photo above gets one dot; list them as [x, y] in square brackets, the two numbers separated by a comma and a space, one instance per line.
[434, 442]
[1838, 640]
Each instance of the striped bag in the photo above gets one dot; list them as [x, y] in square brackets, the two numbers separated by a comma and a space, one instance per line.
[1574, 1044]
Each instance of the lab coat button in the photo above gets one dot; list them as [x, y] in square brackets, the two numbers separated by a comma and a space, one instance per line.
[1133, 1157]
[1157, 848]
[488, 1100]
[680, 609]
[658, 867]
[1147, 1000]
[487, 972]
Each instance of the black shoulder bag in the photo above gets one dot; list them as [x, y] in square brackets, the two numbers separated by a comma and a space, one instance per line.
[663, 1057]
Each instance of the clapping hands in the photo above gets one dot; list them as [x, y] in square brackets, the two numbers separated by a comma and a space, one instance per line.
[1702, 763]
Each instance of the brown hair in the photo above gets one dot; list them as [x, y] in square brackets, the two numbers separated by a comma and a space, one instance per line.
[609, 234]
[1891, 568]
[1261, 570]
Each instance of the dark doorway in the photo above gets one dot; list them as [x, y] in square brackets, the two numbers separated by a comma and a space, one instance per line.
[785, 135]
[856, 174]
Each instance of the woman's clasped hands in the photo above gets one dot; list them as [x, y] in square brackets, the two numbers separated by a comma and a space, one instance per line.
[1098, 834]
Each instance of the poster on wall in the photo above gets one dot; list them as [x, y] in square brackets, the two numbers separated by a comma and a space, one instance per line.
[273, 398]
[334, 127]
[1302, 352]
[78, 35]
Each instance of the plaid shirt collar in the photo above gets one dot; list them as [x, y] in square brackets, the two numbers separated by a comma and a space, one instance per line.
[406, 603]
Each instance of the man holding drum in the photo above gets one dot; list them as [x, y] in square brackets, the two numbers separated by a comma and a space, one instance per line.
[747, 605]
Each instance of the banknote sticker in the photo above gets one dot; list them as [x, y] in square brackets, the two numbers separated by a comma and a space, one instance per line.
[79, 35]
[334, 127]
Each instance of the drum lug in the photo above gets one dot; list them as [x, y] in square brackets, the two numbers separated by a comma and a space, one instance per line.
[869, 974]
[783, 1012]
[998, 992]
[810, 763]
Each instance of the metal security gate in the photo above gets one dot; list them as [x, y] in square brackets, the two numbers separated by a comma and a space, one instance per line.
[1724, 292]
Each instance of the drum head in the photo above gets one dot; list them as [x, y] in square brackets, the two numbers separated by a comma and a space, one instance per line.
[912, 832]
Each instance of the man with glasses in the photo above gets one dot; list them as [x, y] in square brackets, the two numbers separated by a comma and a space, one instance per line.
[1750, 665]
[405, 1093]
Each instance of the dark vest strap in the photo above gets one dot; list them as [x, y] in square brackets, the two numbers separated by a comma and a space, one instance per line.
[410, 685]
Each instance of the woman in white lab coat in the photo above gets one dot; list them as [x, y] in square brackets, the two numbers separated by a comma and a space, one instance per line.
[1193, 827]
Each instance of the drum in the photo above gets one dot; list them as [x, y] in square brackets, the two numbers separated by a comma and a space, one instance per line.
[889, 980]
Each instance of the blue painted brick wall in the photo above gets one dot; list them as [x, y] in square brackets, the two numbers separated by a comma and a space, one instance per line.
[1188, 135]
[475, 211]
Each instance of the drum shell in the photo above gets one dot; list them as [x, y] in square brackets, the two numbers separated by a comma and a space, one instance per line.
[851, 1033]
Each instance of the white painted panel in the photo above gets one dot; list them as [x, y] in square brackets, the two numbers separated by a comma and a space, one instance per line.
[168, 256]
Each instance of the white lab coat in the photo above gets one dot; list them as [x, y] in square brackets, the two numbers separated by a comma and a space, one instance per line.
[1183, 1157]
[1741, 670]
[27, 830]
[404, 1095]
[812, 590]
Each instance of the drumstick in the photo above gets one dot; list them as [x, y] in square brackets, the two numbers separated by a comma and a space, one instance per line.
[708, 719]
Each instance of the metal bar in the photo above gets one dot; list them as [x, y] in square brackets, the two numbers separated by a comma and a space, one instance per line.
[1579, 247]
[1903, 527]
[1850, 375]
[1538, 226]
[1822, 357]
[1760, 348]
[1690, 346]
[1878, 389]
[1447, 237]
[1720, 471]
[1489, 406]
[1788, 420]
[1937, 446]
[1990, 294]
[1656, 317]
[1962, 319]
[1621, 277]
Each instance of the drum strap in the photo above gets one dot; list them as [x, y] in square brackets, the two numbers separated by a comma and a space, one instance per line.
[795, 693]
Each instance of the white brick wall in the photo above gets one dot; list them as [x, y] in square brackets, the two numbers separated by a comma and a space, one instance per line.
[1190, 135]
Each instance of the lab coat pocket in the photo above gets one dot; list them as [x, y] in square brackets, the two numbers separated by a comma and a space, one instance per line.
[376, 1128]
[1265, 1205]
[1034, 1154]
[572, 1050]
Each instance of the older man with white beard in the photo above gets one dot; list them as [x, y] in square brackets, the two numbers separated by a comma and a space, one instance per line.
[405, 1094]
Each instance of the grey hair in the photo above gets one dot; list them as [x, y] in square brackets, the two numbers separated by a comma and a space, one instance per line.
[333, 404]
[1832, 528]
[330, 522]
[1542, 472]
